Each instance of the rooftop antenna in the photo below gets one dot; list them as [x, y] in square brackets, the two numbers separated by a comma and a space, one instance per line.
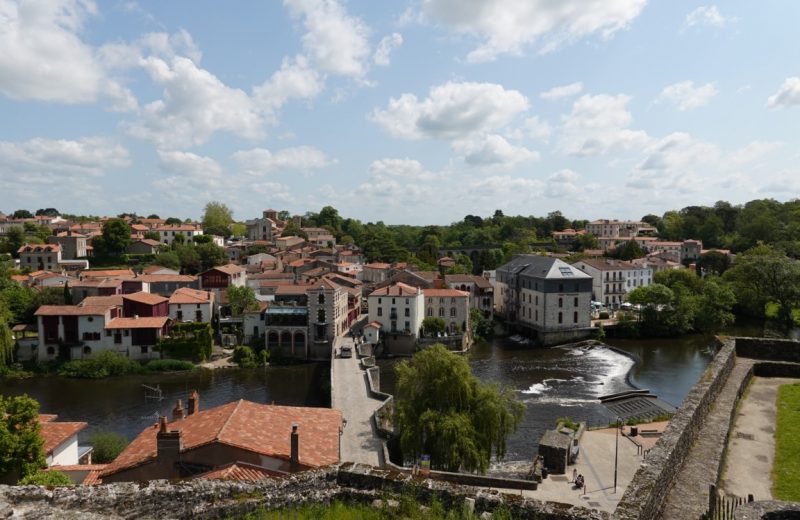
[153, 393]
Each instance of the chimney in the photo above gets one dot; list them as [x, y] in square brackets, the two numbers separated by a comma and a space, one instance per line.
[168, 443]
[194, 403]
[177, 412]
[295, 454]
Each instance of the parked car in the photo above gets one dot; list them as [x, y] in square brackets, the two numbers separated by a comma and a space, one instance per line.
[346, 352]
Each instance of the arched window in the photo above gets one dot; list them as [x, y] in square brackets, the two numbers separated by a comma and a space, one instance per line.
[321, 316]
[441, 312]
[452, 312]
[430, 311]
[272, 339]
[321, 299]
[286, 338]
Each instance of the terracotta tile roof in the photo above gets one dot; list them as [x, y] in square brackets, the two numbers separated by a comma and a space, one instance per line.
[96, 282]
[153, 268]
[107, 273]
[158, 278]
[378, 265]
[374, 324]
[39, 248]
[479, 281]
[275, 283]
[47, 417]
[259, 428]
[293, 289]
[21, 278]
[272, 276]
[606, 264]
[156, 322]
[228, 269]
[115, 300]
[93, 478]
[139, 227]
[181, 227]
[144, 297]
[241, 471]
[56, 433]
[188, 295]
[71, 310]
[150, 242]
[398, 289]
[445, 293]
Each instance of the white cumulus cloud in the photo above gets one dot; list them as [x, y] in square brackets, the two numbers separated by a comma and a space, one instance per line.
[385, 47]
[260, 161]
[599, 124]
[786, 96]
[336, 41]
[451, 111]
[508, 26]
[494, 150]
[708, 15]
[562, 91]
[686, 96]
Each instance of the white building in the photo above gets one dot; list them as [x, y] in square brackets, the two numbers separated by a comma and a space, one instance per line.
[61, 441]
[451, 305]
[167, 234]
[40, 257]
[399, 308]
[191, 305]
[612, 280]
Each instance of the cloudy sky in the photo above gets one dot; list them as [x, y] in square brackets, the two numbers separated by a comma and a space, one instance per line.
[411, 111]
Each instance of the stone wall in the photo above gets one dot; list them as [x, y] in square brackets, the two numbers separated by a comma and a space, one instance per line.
[776, 369]
[768, 348]
[644, 496]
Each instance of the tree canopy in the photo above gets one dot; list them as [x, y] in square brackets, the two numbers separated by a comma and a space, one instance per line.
[115, 239]
[21, 443]
[217, 218]
[241, 299]
[444, 411]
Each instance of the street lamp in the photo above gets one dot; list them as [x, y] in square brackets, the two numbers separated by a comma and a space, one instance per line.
[616, 451]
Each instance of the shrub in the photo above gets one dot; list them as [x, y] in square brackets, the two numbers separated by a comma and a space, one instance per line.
[107, 445]
[244, 357]
[104, 364]
[188, 341]
[168, 365]
[46, 478]
[603, 315]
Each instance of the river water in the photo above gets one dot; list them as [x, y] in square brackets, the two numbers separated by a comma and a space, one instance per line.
[552, 383]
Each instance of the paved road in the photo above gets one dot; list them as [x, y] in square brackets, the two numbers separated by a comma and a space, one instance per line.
[360, 442]
[751, 449]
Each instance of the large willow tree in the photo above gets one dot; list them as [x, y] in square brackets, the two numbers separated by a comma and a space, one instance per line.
[444, 411]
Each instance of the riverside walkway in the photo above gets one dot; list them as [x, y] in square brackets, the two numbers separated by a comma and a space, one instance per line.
[360, 442]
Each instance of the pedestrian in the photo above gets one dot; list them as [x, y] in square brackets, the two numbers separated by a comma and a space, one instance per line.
[574, 474]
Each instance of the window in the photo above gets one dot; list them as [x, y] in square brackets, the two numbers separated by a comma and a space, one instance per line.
[560, 317]
[87, 351]
[575, 317]
[380, 311]
[407, 301]
[408, 326]
[408, 312]
[90, 318]
[430, 311]
[430, 300]
[392, 301]
[452, 300]
[561, 287]
[144, 349]
[50, 350]
[537, 299]
[321, 299]
[561, 302]
[108, 333]
[126, 332]
[536, 315]
[379, 301]
[441, 312]
[576, 301]
[452, 312]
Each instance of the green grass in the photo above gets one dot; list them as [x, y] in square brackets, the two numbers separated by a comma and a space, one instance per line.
[786, 468]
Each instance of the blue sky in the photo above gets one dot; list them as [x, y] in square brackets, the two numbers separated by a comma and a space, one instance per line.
[416, 111]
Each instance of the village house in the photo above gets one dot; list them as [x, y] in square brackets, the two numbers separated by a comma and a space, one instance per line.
[278, 440]
[72, 331]
[137, 337]
[61, 446]
[265, 228]
[480, 290]
[450, 305]
[144, 305]
[40, 257]
[143, 246]
[544, 297]
[167, 234]
[73, 245]
[191, 305]
[289, 242]
[166, 284]
[619, 228]
[94, 287]
[400, 310]
[223, 276]
[612, 280]
[376, 272]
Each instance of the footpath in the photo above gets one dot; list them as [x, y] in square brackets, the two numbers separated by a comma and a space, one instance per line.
[688, 498]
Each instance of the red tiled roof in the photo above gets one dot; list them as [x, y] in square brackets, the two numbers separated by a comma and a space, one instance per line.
[156, 278]
[378, 265]
[71, 310]
[156, 322]
[259, 428]
[107, 273]
[188, 295]
[445, 293]
[292, 289]
[144, 297]
[97, 282]
[56, 433]
[115, 300]
[241, 471]
[228, 269]
[398, 289]
[181, 227]
[39, 248]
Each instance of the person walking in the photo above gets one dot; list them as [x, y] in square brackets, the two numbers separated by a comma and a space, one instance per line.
[574, 474]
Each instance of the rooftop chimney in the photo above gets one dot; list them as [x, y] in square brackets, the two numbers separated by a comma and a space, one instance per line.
[295, 454]
[194, 403]
[177, 412]
[168, 443]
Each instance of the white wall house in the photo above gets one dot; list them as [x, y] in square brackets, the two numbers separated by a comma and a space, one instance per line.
[167, 234]
[398, 308]
[61, 441]
[451, 305]
[191, 305]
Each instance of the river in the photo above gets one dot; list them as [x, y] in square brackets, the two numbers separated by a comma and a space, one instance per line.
[552, 383]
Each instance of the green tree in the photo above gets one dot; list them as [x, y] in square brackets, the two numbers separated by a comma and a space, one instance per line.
[432, 325]
[586, 241]
[115, 239]
[211, 255]
[50, 478]
[217, 218]
[168, 259]
[172, 221]
[188, 257]
[15, 237]
[22, 213]
[106, 446]
[714, 306]
[153, 215]
[482, 327]
[714, 262]
[245, 357]
[47, 212]
[293, 229]
[6, 343]
[152, 235]
[763, 275]
[630, 250]
[444, 411]
[21, 443]
[49, 296]
[241, 299]
[20, 301]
